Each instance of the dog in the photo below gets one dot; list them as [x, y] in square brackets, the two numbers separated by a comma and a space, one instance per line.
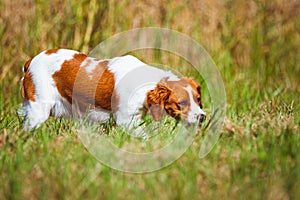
[62, 82]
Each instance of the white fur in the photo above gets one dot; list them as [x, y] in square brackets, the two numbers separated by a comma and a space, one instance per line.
[133, 79]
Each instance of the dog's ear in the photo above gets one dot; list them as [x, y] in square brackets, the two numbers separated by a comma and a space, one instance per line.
[155, 100]
[157, 112]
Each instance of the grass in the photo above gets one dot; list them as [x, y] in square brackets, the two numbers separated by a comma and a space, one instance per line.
[255, 45]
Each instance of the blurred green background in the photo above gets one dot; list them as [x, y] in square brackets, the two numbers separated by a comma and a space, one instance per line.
[256, 47]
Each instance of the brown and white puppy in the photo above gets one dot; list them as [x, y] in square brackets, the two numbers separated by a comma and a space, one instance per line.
[59, 82]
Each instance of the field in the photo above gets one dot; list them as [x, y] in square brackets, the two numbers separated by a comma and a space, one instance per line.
[256, 48]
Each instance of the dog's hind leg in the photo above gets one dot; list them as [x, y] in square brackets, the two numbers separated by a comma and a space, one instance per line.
[35, 114]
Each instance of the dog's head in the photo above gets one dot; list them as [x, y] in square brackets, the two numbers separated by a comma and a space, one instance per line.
[179, 99]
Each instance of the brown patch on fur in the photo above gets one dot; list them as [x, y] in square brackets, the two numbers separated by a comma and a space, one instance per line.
[94, 88]
[115, 100]
[196, 91]
[51, 51]
[27, 86]
[105, 89]
[26, 66]
[28, 90]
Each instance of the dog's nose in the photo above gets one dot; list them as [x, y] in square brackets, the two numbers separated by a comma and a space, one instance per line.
[201, 117]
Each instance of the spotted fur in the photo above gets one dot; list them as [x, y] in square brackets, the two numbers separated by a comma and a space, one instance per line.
[58, 79]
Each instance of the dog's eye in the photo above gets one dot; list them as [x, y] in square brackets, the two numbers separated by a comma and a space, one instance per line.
[183, 103]
[198, 99]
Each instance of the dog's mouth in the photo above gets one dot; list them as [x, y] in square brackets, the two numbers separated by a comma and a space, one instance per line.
[199, 119]
[199, 122]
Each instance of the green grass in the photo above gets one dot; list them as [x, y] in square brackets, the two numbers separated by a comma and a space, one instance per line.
[256, 48]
